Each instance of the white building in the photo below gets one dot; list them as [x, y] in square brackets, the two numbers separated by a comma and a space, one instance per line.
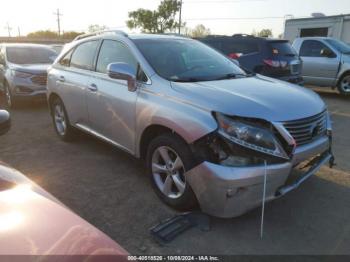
[337, 26]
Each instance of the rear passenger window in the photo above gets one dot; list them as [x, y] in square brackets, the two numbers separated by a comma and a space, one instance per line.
[83, 56]
[311, 48]
[114, 52]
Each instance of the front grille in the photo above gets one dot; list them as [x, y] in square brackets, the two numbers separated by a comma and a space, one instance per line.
[40, 79]
[295, 69]
[306, 130]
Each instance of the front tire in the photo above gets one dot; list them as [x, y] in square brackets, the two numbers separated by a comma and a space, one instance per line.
[168, 158]
[344, 85]
[10, 101]
[60, 120]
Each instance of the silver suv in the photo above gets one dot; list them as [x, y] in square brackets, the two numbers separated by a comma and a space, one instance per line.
[326, 62]
[208, 131]
[23, 71]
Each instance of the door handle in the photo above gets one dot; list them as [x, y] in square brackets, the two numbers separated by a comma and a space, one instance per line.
[61, 79]
[93, 87]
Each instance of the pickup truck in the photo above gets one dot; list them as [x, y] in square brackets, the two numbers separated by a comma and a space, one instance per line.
[326, 62]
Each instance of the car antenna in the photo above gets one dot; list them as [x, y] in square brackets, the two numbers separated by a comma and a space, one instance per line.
[263, 202]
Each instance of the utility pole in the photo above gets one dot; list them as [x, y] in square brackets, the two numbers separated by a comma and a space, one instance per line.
[180, 17]
[8, 29]
[58, 14]
[19, 32]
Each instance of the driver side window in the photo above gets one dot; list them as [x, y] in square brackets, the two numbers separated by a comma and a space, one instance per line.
[312, 48]
[114, 52]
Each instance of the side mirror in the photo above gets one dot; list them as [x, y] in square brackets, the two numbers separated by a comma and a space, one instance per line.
[123, 71]
[327, 52]
[5, 122]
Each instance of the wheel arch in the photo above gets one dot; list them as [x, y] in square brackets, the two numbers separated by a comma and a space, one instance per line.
[151, 132]
[343, 74]
[189, 125]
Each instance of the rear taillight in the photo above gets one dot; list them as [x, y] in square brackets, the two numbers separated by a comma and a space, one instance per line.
[276, 63]
[234, 55]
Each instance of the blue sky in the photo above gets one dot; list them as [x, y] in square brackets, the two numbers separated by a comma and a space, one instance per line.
[78, 14]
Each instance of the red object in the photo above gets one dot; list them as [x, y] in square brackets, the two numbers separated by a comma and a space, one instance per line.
[33, 222]
[234, 55]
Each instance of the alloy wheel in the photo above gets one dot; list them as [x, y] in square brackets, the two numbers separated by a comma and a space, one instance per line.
[60, 120]
[168, 172]
[345, 84]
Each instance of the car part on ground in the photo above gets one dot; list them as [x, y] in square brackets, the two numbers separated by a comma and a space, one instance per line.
[169, 229]
[270, 57]
[204, 126]
[326, 62]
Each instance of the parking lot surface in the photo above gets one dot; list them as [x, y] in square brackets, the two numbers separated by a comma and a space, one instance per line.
[111, 190]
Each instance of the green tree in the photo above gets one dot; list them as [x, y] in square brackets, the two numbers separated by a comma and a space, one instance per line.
[71, 34]
[200, 31]
[43, 34]
[262, 33]
[159, 21]
[96, 28]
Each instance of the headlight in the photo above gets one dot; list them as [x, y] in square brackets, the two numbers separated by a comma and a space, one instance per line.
[250, 136]
[20, 74]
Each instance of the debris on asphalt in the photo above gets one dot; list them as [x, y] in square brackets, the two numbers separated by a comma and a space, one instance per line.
[169, 229]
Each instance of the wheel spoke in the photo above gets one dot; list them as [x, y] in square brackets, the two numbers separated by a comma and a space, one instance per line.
[157, 168]
[164, 154]
[180, 185]
[177, 164]
[167, 185]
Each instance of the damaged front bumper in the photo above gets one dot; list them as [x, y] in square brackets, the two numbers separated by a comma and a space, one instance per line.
[225, 191]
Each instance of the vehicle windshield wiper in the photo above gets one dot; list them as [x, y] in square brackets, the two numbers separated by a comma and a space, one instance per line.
[185, 80]
[233, 75]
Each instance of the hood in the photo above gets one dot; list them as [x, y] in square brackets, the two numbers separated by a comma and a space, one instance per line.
[32, 222]
[255, 97]
[31, 68]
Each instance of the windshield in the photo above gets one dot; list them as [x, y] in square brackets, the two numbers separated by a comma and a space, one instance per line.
[339, 45]
[282, 48]
[185, 60]
[30, 55]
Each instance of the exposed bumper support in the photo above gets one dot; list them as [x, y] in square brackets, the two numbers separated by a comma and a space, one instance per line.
[313, 169]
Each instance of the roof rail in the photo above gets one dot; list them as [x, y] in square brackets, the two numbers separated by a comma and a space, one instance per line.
[118, 32]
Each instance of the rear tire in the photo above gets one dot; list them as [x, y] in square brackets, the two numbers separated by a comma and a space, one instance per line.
[168, 158]
[344, 85]
[60, 120]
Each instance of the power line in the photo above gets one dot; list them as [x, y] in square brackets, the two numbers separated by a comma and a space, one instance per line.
[58, 14]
